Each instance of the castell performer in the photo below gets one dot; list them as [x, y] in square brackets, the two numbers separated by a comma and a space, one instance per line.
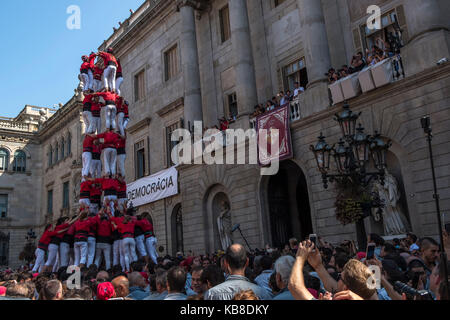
[42, 248]
[87, 113]
[96, 108]
[126, 230]
[111, 99]
[122, 194]
[109, 187]
[150, 239]
[122, 115]
[103, 247]
[95, 170]
[84, 73]
[98, 82]
[95, 197]
[92, 237]
[109, 146]
[85, 194]
[82, 227]
[119, 77]
[109, 73]
[116, 239]
[88, 144]
[66, 244]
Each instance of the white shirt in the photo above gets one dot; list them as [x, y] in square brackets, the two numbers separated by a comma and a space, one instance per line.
[298, 90]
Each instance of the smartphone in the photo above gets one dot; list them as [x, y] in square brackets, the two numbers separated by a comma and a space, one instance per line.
[370, 251]
[313, 239]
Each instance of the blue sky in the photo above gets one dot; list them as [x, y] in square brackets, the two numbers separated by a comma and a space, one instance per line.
[41, 56]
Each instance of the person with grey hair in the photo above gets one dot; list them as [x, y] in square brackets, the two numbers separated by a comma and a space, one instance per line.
[137, 286]
[283, 269]
[158, 286]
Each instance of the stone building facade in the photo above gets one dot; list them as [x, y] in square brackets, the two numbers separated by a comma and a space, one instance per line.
[192, 60]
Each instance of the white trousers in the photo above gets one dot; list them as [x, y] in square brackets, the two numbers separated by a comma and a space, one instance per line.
[118, 255]
[64, 250]
[87, 158]
[140, 245]
[96, 169]
[150, 244]
[129, 247]
[121, 164]
[109, 77]
[40, 260]
[86, 81]
[118, 84]
[80, 249]
[122, 203]
[98, 85]
[110, 118]
[90, 251]
[85, 203]
[109, 200]
[95, 125]
[91, 79]
[110, 159]
[88, 121]
[52, 255]
[105, 250]
[57, 263]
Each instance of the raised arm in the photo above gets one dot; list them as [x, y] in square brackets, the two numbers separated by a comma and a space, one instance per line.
[315, 260]
[297, 282]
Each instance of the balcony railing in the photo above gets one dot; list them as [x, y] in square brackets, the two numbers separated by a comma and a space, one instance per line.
[12, 125]
[371, 78]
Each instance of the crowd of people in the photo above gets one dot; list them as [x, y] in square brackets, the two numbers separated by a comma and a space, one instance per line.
[360, 61]
[280, 100]
[307, 270]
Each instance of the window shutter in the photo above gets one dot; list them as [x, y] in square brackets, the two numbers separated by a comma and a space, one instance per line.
[357, 40]
[402, 23]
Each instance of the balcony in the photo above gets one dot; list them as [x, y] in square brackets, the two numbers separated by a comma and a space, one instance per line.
[371, 78]
[10, 124]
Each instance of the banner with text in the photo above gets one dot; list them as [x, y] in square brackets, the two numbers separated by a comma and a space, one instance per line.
[159, 186]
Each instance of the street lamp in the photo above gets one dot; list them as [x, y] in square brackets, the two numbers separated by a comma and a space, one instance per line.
[426, 125]
[353, 155]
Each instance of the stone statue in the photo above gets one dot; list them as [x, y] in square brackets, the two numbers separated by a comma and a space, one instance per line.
[224, 226]
[42, 118]
[394, 221]
[79, 90]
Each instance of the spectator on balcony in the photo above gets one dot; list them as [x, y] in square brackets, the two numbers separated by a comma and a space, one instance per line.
[275, 102]
[289, 96]
[358, 63]
[333, 76]
[282, 99]
[342, 73]
[224, 124]
[375, 56]
[269, 106]
[298, 90]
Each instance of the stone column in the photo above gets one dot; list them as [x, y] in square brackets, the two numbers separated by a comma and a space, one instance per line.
[246, 93]
[190, 65]
[315, 40]
[428, 34]
[317, 56]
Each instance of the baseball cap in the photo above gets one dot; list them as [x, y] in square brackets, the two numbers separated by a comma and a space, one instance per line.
[105, 291]
[2, 291]
[414, 247]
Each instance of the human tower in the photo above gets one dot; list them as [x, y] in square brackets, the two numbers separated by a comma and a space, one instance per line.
[102, 226]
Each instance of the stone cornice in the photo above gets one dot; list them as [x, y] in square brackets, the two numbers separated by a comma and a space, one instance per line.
[145, 122]
[196, 4]
[170, 107]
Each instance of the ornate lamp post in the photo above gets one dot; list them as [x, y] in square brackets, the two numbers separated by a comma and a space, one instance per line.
[353, 175]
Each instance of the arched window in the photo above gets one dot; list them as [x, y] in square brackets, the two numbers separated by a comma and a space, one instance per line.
[56, 153]
[50, 156]
[63, 145]
[69, 144]
[177, 230]
[4, 159]
[20, 161]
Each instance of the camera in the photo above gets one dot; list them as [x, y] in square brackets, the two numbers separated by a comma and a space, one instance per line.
[401, 287]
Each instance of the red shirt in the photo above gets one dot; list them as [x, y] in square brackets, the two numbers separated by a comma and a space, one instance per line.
[119, 104]
[108, 58]
[88, 143]
[85, 190]
[85, 66]
[110, 139]
[96, 108]
[110, 98]
[91, 61]
[108, 184]
[98, 72]
[105, 228]
[82, 229]
[146, 227]
[120, 143]
[122, 190]
[119, 69]
[125, 110]
[45, 239]
[60, 235]
[94, 227]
